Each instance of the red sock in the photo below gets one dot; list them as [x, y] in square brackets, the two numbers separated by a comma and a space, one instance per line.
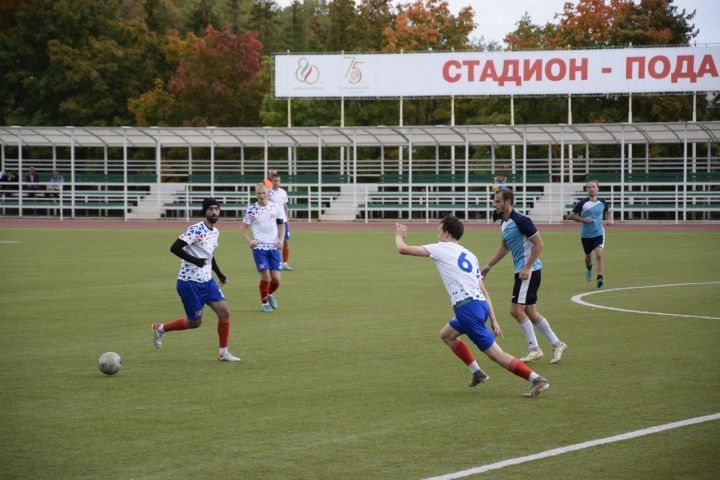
[179, 324]
[519, 368]
[273, 286]
[223, 333]
[264, 290]
[286, 252]
[463, 352]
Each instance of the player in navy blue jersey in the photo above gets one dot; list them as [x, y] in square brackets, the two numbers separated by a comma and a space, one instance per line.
[591, 212]
[460, 272]
[522, 239]
[195, 283]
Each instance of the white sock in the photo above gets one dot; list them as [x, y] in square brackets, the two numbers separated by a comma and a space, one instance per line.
[222, 350]
[527, 329]
[161, 328]
[544, 327]
[474, 367]
[533, 376]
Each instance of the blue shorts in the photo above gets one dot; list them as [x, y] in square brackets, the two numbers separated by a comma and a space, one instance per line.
[266, 260]
[195, 295]
[590, 244]
[470, 319]
[287, 230]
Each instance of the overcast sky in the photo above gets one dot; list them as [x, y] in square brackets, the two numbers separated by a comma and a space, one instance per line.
[497, 18]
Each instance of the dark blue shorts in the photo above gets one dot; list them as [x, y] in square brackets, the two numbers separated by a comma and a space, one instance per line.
[470, 319]
[195, 295]
[590, 244]
[267, 260]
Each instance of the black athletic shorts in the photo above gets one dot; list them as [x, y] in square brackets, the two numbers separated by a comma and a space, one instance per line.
[525, 291]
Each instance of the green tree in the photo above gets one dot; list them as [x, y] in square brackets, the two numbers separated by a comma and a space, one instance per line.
[342, 14]
[203, 14]
[373, 17]
[79, 68]
[263, 20]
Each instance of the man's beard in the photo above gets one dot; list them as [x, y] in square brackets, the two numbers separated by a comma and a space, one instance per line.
[212, 218]
[496, 216]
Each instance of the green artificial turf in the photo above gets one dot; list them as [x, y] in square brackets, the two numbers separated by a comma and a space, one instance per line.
[348, 379]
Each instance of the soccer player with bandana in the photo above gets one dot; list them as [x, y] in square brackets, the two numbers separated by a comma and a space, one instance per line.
[195, 283]
[267, 220]
[460, 272]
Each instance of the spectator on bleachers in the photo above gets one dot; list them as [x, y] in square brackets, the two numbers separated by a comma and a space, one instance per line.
[55, 186]
[33, 179]
[9, 183]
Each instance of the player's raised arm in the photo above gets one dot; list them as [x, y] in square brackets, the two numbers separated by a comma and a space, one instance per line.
[405, 249]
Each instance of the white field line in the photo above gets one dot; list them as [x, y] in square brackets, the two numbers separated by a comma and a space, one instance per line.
[579, 300]
[578, 446]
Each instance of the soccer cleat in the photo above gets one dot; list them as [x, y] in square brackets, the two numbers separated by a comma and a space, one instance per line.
[479, 377]
[600, 283]
[558, 352]
[532, 354]
[228, 357]
[539, 385]
[266, 308]
[588, 275]
[157, 335]
[286, 267]
[273, 303]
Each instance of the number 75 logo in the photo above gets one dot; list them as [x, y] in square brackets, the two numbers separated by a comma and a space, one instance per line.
[354, 74]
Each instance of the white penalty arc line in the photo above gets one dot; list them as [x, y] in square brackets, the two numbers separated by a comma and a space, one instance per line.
[578, 446]
[579, 300]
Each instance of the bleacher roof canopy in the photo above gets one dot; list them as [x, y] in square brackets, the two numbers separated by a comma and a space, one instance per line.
[388, 136]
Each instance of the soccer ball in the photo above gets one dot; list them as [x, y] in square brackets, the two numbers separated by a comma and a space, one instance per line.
[109, 363]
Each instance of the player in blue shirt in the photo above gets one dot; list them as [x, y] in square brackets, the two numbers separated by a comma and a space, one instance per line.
[522, 239]
[592, 211]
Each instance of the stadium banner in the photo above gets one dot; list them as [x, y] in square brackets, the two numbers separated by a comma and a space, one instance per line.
[556, 72]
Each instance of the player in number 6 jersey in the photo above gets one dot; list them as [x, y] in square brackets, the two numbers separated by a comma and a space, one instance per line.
[460, 272]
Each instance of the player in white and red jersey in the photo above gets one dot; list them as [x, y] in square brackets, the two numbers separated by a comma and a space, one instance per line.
[279, 195]
[267, 220]
[195, 284]
[460, 272]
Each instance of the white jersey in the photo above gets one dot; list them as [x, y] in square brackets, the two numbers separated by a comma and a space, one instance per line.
[459, 269]
[201, 243]
[278, 196]
[263, 221]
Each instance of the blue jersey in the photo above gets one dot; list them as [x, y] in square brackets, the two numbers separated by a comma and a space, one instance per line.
[516, 231]
[595, 210]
